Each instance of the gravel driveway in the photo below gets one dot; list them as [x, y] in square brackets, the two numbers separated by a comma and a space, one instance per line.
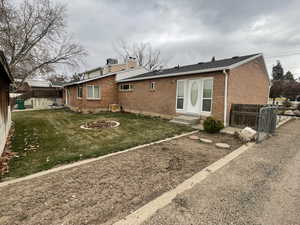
[104, 191]
[260, 187]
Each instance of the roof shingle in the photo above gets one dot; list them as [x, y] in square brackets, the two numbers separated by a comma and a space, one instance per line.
[212, 65]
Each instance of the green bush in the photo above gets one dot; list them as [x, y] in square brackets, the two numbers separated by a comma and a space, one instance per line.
[212, 125]
[287, 103]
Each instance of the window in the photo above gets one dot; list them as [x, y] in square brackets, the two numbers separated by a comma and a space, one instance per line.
[152, 86]
[79, 92]
[180, 95]
[126, 87]
[207, 95]
[93, 92]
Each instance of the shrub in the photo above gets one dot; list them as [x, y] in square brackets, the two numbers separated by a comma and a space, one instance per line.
[212, 125]
[287, 103]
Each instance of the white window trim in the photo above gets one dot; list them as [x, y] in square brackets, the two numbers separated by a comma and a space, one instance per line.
[153, 86]
[208, 113]
[93, 98]
[77, 89]
[184, 94]
[131, 87]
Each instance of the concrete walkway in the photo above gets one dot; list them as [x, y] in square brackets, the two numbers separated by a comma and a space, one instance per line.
[260, 187]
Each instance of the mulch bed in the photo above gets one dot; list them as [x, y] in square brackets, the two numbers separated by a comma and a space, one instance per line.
[100, 124]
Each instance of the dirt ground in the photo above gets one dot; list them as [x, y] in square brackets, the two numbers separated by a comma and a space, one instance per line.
[260, 187]
[105, 191]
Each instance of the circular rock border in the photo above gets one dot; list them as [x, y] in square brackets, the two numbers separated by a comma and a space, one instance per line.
[116, 124]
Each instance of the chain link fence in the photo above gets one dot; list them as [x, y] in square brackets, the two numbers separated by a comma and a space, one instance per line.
[267, 122]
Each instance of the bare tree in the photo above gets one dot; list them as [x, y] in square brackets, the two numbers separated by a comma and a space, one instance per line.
[144, 53]
[77, 77]
[34, 38]
[57, 78]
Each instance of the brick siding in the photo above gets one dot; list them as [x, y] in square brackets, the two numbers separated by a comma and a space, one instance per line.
[162, 101]
[109, 95]
[248, 84]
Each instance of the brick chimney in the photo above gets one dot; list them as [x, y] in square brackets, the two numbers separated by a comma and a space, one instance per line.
[131, 63]
[111, 61]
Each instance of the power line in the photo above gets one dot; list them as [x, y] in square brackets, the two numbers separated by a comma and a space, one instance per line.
[283, 55]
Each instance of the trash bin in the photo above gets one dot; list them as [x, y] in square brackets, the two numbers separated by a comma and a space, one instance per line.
[20, 104]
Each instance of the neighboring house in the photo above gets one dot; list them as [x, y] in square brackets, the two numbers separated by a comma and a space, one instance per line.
[5, 114]
[111, 66]
[40, 94]
[201, 90]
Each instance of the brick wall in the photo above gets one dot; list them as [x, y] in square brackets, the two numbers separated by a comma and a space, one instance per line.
[162, 101]
[109, 95]
[248, 84]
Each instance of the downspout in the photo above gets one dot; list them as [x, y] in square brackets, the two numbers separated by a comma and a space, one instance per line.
[225, 97]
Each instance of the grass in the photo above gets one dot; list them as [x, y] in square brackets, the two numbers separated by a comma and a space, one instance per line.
[47, 138]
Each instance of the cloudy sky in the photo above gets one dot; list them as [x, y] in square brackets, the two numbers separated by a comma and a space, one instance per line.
[188, 32]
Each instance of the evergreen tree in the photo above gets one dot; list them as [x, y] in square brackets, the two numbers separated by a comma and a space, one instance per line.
[289, 76]
[278, 72]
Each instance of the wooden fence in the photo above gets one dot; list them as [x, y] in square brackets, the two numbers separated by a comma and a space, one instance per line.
[245, 115]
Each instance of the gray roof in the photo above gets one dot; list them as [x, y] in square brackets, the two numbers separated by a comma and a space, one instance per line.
[58, 83]
[120, 75]
[71, 83]
[38, 83]
[3, 64]
[202, 67]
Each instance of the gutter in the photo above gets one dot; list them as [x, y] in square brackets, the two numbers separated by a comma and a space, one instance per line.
[216, 69]
[225, 97]
[88, 80]
[157, 76]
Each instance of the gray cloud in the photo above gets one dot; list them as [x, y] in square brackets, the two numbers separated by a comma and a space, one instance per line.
[189, 31]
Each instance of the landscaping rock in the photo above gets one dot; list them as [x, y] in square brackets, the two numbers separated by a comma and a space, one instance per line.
[194, 137]
[223, 145]
[289, 113]
[297, 112]
[207, 141]
[247, 134]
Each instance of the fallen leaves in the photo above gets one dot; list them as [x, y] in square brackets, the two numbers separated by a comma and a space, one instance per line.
[7, 155]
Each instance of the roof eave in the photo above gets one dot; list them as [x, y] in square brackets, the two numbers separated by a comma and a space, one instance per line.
[235, 65]
[5, 67]
[176, 74]
[88, 80]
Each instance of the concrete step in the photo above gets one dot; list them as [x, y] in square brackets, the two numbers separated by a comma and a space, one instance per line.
[188, 120]
[180, 122]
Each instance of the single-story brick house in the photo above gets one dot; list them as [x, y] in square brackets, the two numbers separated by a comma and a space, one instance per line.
[202, 89]
[5, 112]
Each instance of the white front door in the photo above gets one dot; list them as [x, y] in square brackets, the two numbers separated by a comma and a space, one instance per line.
[194, 96]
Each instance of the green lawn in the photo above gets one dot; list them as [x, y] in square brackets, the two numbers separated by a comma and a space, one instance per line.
[45, 139]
